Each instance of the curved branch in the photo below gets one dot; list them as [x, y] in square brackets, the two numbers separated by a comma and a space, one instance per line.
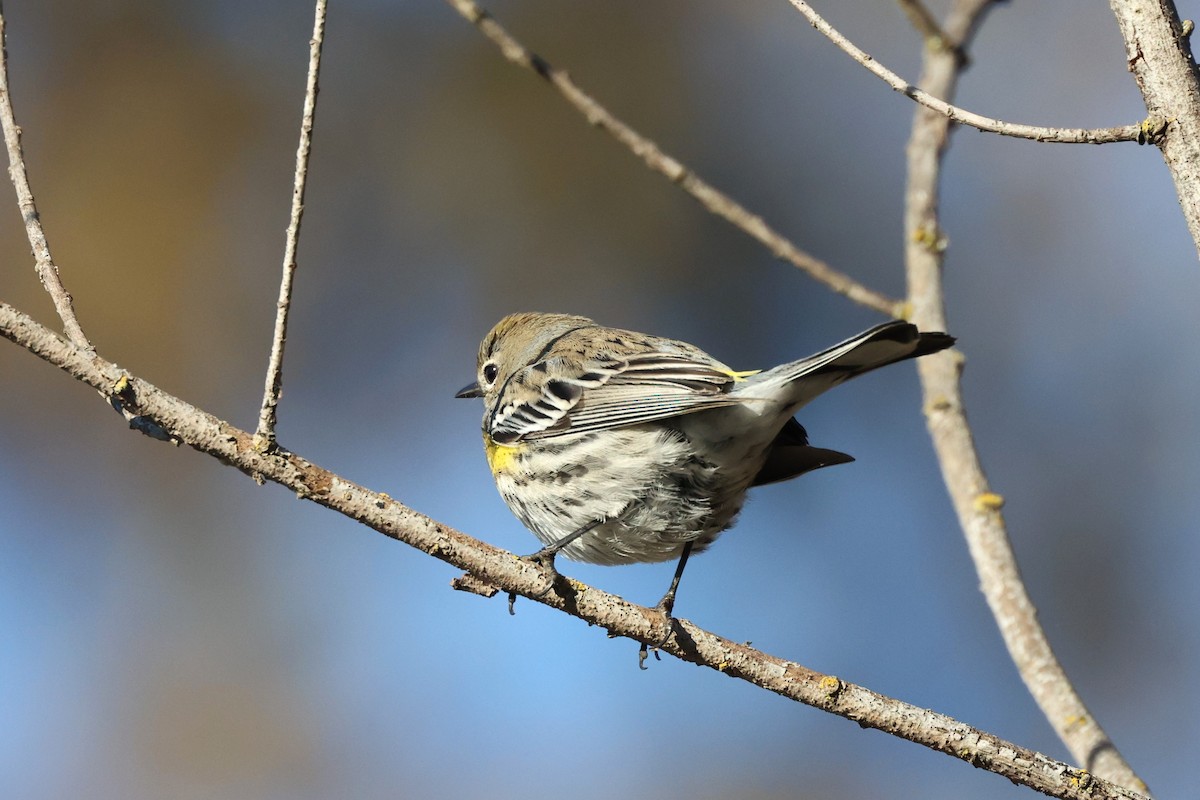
[47, 270]
[709, 196]
[1123, 133]
[978, 508]
[201, 431]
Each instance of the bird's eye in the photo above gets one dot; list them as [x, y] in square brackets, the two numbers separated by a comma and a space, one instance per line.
[489, 372]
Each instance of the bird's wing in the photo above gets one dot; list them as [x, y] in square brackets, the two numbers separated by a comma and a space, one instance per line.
[609, 393]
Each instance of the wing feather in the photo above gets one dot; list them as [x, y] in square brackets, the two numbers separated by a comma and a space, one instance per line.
[608, 394]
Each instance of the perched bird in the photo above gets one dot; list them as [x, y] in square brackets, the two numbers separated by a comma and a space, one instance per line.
[616, 447]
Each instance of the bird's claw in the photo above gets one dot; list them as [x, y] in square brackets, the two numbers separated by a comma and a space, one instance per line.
[543, 558]
[664, 606]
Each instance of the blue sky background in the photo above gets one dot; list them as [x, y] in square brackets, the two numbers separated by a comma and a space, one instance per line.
[170, 629]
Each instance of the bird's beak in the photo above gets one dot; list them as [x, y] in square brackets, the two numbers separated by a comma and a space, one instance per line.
[470, 390]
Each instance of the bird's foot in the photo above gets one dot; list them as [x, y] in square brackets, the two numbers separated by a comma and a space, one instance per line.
[543, 558]
[665, 606]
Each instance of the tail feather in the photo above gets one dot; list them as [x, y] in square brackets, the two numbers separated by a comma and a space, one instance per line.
[791, 455]
[882, 345]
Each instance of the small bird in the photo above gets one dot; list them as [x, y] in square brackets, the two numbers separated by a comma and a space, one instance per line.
[616, 447]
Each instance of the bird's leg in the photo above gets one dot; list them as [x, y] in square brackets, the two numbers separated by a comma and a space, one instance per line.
[667, 605]
[545, 557]
[546, 554]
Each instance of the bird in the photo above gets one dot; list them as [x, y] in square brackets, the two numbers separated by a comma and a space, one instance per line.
[617, 447]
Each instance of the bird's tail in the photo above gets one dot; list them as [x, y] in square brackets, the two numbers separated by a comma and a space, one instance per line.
[882, 345]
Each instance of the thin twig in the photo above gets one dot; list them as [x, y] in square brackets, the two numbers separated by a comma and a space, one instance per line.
[207, 434]
[923, 21]
[47, 270]
[711, 198]
[1123, 133]
[978, 508]
[274, 382]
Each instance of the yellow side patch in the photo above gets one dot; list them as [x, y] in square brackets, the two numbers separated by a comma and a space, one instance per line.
[741, 376]
[499, 456]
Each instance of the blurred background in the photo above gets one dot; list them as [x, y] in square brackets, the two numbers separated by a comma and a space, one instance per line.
[170, 629]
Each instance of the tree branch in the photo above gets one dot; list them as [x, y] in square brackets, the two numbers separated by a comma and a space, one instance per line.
[1123, 133]
[710, 197]
[922, 20]
[47, 270]
[205, 433]
[978, 508]
[166, 417]
[267, 416]
[1160, 58]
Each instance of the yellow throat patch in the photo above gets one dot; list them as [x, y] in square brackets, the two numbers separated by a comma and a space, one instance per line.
[499, 456]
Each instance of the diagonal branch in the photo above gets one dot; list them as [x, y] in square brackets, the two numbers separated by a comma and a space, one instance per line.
[978, 508]
[710, 197]
[205, 433]
[47, 270]
[1123, 133]
[924, 23]
[267, 416]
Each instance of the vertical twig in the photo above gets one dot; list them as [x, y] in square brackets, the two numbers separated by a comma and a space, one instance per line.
[978, 508]
[265, 433]
[47, 270]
